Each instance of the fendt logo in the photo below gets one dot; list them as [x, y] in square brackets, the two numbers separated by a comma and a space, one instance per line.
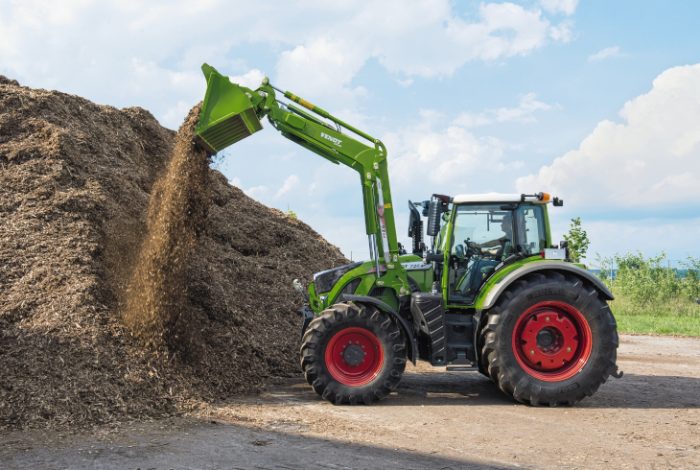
[335, 140]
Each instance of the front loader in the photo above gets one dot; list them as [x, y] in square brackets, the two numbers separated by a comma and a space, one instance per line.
[487, 291]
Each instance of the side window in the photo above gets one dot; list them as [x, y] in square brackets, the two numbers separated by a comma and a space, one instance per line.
[531, 234]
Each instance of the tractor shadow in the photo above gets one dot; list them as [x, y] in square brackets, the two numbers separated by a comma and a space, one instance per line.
[442, 388]
[437, 388]
[632, 391]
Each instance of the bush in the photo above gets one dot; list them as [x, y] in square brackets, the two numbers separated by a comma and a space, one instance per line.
[646, 282]
[651, 297]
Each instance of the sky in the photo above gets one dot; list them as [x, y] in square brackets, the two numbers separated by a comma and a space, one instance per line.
[596, 102]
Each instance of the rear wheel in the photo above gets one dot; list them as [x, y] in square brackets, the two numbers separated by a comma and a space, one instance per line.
[353, 354]
[551, 339]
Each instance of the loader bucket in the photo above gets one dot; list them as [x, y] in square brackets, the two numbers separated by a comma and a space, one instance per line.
[227, 114]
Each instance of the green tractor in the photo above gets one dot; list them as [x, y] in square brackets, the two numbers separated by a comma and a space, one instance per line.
[487, 291]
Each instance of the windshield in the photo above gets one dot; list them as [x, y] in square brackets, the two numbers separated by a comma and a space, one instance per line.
[489, 226]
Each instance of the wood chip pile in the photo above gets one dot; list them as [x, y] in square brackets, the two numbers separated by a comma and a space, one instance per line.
[76, 179]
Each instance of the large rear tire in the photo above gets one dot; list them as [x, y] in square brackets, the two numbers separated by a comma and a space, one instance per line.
[550, 340]
[353, 354]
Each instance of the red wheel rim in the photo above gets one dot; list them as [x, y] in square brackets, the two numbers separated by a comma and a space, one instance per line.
[552, 341]
[354, 356]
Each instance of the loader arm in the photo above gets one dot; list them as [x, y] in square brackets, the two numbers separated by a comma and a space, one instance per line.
[232, 112]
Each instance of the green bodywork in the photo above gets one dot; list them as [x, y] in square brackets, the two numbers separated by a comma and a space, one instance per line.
[231, 112]
[422, 278]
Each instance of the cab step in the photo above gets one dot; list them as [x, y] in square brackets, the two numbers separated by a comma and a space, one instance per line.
[465, 368]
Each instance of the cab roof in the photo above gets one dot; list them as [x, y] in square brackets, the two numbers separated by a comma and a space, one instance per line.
[486, 197]
[498, 197]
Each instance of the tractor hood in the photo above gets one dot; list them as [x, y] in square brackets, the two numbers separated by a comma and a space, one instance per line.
[325, 280]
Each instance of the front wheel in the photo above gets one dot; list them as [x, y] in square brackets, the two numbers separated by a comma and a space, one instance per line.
[353, 354]
[551, 339]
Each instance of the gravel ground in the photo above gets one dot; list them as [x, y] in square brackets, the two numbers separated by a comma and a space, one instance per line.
[437, 419]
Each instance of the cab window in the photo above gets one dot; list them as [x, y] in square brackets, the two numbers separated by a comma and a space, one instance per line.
[531, 237]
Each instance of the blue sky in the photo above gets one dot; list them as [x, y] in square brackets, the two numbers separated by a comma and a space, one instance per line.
[598, 102]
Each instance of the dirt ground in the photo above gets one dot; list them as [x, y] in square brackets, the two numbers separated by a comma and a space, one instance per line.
[437, 419]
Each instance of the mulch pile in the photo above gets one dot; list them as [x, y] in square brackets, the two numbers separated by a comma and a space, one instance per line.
[76, 179]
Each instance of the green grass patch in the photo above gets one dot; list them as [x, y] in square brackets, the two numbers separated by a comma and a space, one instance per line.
[678, 317]
[658, 325]
[651, 297]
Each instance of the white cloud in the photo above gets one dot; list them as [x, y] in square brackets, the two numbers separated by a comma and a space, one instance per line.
[523, 112]
[148, 54]
[447, 156]
[291, 182]
[678, 239]
[251, 79]
[649, 160]
[172, 117]
[567, 7]
[346, 232]
[323, 69]
[257, 192]
[650, 235]
[563, 32]
[145, 54]
[424, 38]
[503, 30]
[606, 53]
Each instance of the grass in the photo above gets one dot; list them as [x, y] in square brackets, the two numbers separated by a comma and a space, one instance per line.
[679, 317]
[653, 298]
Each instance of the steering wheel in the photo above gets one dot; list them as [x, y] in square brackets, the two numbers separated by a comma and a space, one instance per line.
[472, 248]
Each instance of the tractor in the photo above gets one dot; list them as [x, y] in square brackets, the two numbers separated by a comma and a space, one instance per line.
[483, 287]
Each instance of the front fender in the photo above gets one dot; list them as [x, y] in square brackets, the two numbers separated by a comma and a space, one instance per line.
[488, 299]
[386, 308]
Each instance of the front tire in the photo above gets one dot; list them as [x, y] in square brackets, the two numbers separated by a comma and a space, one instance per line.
[550, 340]
[353, 354]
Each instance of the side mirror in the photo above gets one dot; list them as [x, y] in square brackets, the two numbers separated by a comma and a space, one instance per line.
[433, 217]
[415, 229]
[436, 207]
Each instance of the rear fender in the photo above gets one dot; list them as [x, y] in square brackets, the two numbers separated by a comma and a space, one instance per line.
[489, 298]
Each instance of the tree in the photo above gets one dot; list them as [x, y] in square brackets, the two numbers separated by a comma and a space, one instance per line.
[577, 240]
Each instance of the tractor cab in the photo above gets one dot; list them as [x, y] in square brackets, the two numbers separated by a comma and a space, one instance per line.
[473, 236]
